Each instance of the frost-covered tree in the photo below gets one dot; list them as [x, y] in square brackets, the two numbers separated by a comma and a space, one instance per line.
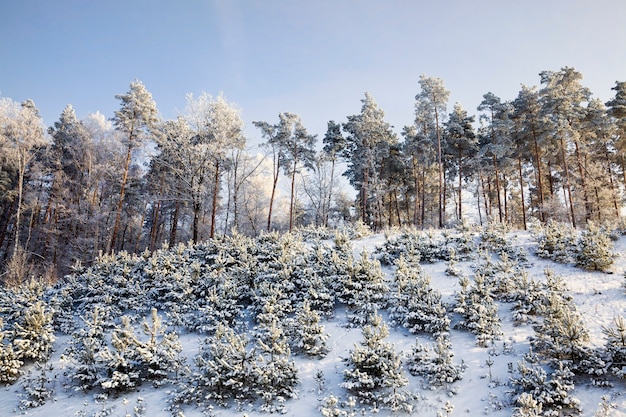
[130, 360]
[594, 249]
[461, 144]
[431, 103]
[309, 337]
[38, 385]
[225, 370]
[276, 374]
[368, 141]
[363, 289]
[217, 129]
[374, 369]
[83, 351]
[551, 393]
[21, 138]
[10, 363]
[615, 346]
[33, 333]
[416, 305]
[435, 364]
[478, 310]
[557, 242]
[135, 119]
[562, 335]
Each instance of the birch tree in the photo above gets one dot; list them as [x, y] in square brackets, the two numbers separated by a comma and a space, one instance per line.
[21, 137]
[219, 129]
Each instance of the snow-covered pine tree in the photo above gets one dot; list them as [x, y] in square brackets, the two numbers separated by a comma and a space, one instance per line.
[276, 374]
[551, 394]
[594, 249]
[38, 385]
[83, 351]
[374, 370]
[225, 370]
[326, 267]
[122, 364]
[527, 406]
[309, 337]
[562, 336]
[615, 347]
[435, 364]
[10, 364]
[33, 334]
[160, 355]
[528, 297]
[416, 305]
[331, 408]
[479, 312]
[364, 290]
[452, 268]
[220, 306]
[557, 242]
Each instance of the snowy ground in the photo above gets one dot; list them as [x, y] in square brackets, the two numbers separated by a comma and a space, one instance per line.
[482, 391]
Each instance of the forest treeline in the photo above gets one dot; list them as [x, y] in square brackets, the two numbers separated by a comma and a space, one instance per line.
[135, 182]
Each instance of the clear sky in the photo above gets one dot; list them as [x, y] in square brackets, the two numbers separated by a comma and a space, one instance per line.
[315, 58]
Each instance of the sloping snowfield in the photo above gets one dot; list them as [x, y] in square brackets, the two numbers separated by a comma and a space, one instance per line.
[483, 390]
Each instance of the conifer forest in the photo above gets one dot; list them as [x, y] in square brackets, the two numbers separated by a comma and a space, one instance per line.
[131, 181]
[469, 264]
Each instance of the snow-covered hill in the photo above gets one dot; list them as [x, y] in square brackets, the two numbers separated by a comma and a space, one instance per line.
[485, 387]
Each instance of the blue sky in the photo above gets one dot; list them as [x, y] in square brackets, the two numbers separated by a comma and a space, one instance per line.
[315, 58]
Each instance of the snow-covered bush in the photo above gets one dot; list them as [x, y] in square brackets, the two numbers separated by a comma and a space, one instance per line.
[561, 335]
[416, 305]
[615, 347]
[594, 249]
[528, 298]
[38, 386]
[556, 241]
[364, 290]
[374, 370]
[10, 363]
[83, 351]
[33, 334]
[413, 243]
[126, 361]
[478, 310]
[435, 364]
[276, 374]
[308, 335]
[225, 370]
[551, 394]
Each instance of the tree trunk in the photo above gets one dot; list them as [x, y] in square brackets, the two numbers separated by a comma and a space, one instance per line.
[118, 215]
[440, 168]
[581, 172]
[216, 186]
[293, 191]
[460, 184]
[497, 178]
[330, 191]
[269, 215]
[567, 183]
[174, 227]
[521, 188]
[364, 192]
[539, 177]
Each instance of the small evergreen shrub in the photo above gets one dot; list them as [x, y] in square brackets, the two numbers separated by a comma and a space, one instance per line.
[594, 249]
[557, 241]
